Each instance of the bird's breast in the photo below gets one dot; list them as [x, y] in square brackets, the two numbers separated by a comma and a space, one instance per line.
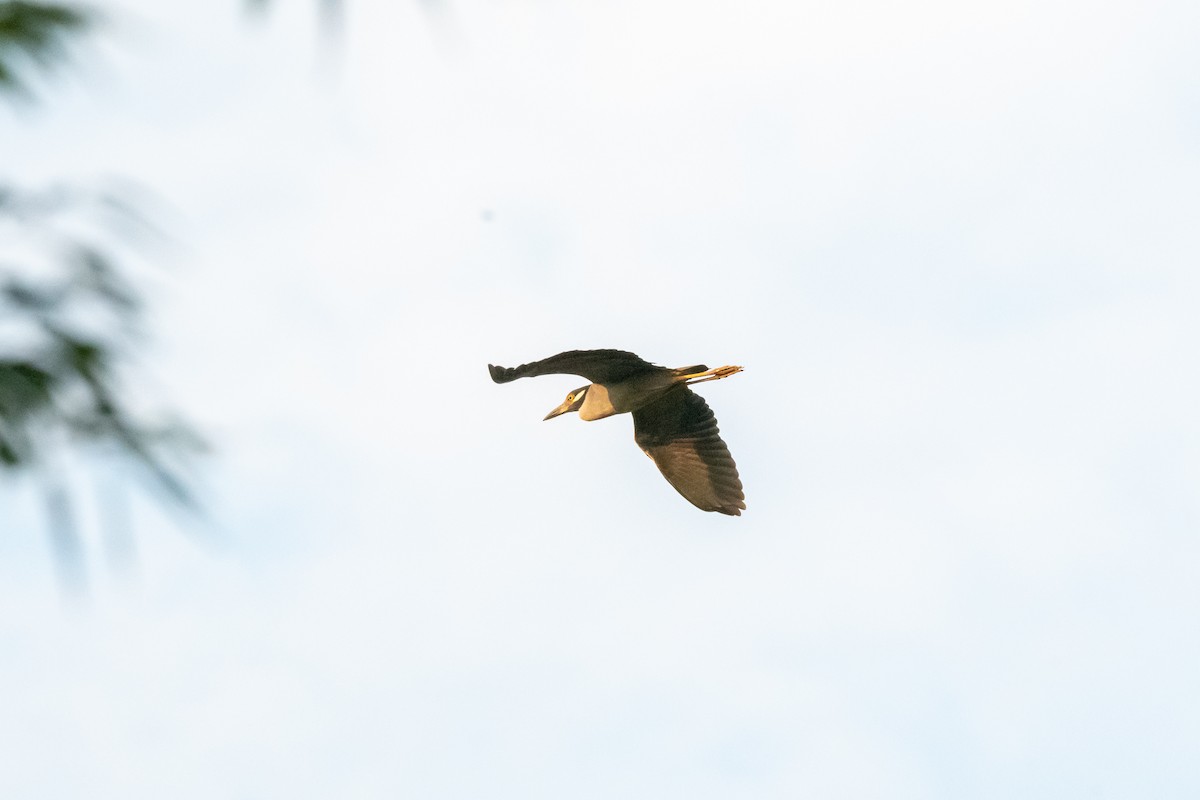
[597, 404]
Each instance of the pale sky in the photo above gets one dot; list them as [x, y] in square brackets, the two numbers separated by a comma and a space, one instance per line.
[954, 246]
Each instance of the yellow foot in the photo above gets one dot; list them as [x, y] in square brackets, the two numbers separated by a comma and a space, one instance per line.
[712, 374]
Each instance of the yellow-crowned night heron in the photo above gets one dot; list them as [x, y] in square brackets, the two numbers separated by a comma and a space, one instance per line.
[671, 423]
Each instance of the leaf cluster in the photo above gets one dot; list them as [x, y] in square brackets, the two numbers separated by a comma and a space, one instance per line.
[69, 316]
[37, 35]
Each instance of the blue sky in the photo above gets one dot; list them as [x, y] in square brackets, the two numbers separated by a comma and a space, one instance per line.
[954, 247]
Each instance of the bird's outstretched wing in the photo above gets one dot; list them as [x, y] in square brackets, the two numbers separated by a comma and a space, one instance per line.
[598, 366]
[680, 433]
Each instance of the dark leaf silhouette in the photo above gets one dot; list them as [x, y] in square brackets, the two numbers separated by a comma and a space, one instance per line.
[36, 35]
[61, 379]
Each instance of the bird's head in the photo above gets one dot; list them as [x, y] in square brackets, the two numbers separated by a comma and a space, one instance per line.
[572, 403]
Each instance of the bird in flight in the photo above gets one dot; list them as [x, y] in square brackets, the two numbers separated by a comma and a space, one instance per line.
[671, 423]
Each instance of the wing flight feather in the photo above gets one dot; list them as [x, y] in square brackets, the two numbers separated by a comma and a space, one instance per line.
[679, 431]
[598, 366]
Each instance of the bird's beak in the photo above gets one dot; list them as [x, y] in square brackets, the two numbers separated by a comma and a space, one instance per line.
[564, 408]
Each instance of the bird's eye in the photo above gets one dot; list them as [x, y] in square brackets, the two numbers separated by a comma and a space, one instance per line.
[571, 398]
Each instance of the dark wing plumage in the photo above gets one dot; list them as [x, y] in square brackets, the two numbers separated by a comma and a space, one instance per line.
[598, 366]
[680, 433]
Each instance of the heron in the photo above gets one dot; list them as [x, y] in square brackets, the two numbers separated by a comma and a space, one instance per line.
[671, 423]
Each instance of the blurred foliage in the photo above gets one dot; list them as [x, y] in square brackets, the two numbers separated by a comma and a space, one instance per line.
[70, 315]
[331, 15]
[36, 35]
[330, 9]
[73, 313]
